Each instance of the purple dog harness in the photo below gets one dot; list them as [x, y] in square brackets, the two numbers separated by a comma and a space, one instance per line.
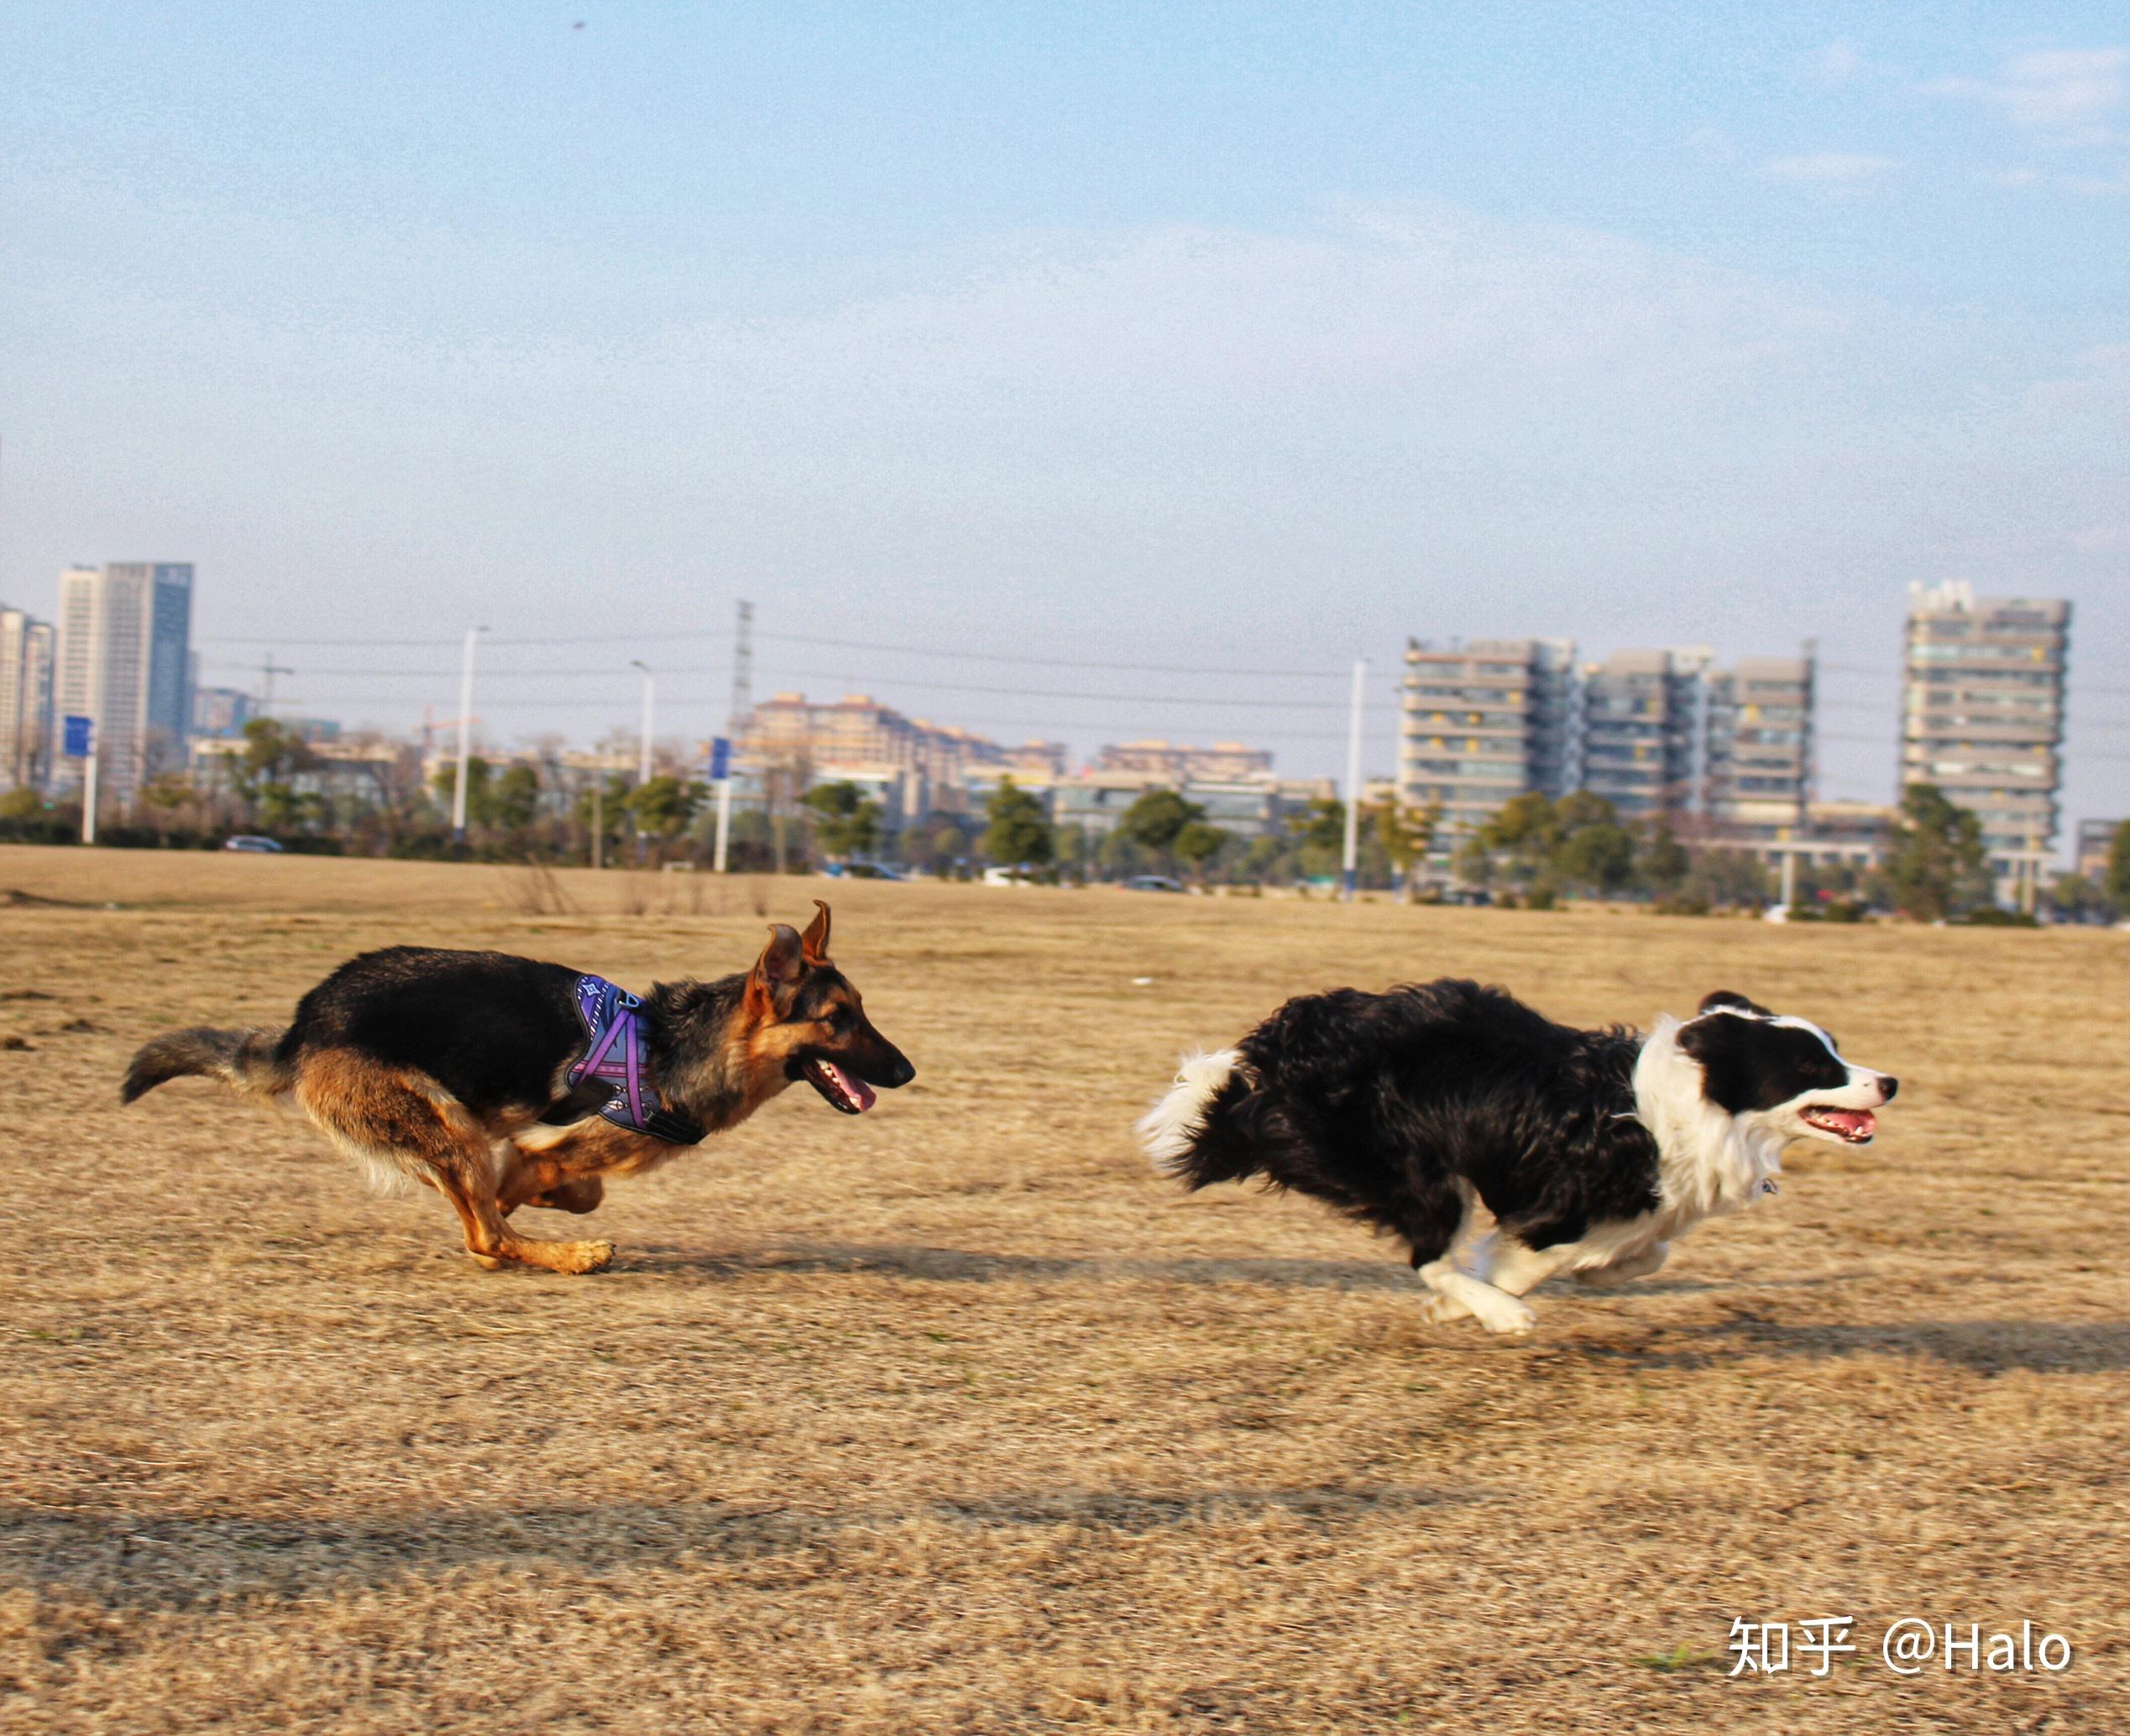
[615, 1055]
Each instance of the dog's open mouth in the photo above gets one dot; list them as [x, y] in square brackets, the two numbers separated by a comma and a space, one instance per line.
[845, 1090]
[1852, 1127]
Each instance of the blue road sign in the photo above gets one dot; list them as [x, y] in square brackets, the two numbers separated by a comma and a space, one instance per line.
[79, 739]
[720, 759]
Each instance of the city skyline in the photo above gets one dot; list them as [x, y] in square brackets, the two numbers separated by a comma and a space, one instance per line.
[1584, 738]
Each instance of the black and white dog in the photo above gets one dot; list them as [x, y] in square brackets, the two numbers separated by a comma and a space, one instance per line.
[1591, 1150]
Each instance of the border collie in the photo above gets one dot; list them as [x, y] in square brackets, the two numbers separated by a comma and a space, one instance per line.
[1591, 1150]
[503, 1082]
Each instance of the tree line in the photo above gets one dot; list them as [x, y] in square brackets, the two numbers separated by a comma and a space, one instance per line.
[1535, 850]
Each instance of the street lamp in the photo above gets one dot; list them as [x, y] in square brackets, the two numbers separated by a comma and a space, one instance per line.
[643, 749]
[465, 737]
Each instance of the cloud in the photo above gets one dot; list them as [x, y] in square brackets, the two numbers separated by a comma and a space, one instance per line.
[2085, 186]
[1837, 63]
[1831, 168]
[2071, 92]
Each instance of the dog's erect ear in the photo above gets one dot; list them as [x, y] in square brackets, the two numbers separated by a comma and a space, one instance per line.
[814, 942]
[1731, 997]
[783, 960]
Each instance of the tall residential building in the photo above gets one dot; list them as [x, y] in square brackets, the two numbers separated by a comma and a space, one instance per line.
[1758, 778]
[1982, 713]
[124, 644]
[1642, 728]
[1484, 721]
[26, 648]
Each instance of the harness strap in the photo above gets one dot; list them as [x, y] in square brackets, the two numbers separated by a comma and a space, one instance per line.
[615, 1055]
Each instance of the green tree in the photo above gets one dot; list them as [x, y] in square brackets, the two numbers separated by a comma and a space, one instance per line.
[664, 807]
[1406, 835]
[1521, 837]
[1662, 863]
[1936, 866]
[264, 775]
[1019, 834]
[516, 803]
[2079, 899]
[2116, 883]
[446, 782]
[1197, 843]
[1154, 820]
[943, 846]
[846, 821]
[1599, 856]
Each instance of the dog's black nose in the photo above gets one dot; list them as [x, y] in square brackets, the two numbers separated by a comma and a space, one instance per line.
[900, 1074]
[1888, 1084]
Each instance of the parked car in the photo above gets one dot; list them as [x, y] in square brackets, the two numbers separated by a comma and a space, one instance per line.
[253, 842]
[863, 870]
[1153, 883]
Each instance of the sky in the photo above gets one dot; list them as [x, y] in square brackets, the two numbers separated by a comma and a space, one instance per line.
[1155, 343]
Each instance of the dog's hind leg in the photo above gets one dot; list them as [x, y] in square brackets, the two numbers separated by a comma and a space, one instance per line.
[408, 1120]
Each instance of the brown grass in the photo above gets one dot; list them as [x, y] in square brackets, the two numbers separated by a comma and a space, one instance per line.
[953, 1419]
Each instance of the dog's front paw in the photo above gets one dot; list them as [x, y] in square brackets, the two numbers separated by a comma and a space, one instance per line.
[582, 1256]
[1436, 1310]
[1509, 1318]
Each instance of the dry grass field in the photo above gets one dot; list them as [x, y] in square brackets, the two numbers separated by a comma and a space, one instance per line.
[954, 1418]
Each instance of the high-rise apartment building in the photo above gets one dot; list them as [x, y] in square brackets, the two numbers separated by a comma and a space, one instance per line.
[124, 644]
[1982, 713]
[1484, 721]
[1757, 779]
[26, 649]
[1642, 730]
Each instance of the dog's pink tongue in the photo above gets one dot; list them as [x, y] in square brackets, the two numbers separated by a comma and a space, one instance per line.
[856, 1089]
[1858, 1122]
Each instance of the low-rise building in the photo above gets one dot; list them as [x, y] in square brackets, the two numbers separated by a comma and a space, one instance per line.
[1224, 762]
[2097, 846]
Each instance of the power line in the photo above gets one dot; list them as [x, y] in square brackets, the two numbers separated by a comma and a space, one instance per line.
[948, 653]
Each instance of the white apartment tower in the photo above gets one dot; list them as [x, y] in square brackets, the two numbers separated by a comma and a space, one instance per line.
[124, 642]
[1483, 721]
[1758, 780]
[1982, 713]
[26, 654]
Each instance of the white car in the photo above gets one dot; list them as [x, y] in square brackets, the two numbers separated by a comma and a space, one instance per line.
[253, 842]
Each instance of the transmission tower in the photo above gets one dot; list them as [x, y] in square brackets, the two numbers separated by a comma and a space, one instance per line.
[743, 670]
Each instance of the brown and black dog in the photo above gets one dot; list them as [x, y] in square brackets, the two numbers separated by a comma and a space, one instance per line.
[470, 1071]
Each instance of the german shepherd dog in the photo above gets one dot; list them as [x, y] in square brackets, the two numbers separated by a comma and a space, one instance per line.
[472, 1072]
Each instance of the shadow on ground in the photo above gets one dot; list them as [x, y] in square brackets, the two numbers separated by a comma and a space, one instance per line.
[137, 1561]
[953, 1265]
[1985, 1346]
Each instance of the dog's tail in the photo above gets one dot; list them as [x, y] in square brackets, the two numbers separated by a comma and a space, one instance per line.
[1185, 1135]
[247, 1061]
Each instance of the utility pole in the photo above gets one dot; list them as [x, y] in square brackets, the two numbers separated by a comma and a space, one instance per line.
[643, 755]
[1353, 858]
[268, 671]
[743, 671]
[465, 738]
